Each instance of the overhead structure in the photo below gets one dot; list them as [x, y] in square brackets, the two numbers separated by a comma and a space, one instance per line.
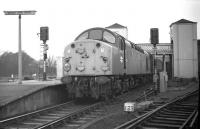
[19, 13]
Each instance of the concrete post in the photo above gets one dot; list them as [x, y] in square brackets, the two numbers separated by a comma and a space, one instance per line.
[19, 55]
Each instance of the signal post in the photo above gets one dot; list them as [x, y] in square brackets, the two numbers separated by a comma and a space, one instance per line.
[44, 36]
[154, 34]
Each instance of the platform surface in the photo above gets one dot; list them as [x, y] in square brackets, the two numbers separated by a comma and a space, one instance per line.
[10, 91]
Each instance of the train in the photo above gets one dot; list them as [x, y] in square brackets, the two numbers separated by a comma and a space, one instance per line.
[100, 63]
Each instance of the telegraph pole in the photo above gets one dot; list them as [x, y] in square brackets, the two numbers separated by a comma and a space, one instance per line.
[19, 13]
[20, 54]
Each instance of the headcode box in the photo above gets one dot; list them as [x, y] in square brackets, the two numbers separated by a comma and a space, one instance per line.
[129, 106]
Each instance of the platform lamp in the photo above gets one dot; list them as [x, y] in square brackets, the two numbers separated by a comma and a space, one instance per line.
[19, 13]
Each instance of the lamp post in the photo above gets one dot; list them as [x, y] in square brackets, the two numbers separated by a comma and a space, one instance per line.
[19, 13]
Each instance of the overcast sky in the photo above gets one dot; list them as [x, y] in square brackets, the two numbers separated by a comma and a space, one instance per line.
[66, 19]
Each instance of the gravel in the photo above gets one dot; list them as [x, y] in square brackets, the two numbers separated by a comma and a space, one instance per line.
[115, 111]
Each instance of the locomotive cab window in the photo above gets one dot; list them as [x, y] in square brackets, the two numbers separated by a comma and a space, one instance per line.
[83, 36]
[95, 34]
[98, 34]
[108, 37]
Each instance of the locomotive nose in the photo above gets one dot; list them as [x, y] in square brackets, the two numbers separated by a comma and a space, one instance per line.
[88, 57]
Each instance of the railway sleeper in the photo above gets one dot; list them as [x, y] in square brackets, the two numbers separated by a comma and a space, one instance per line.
[34, 123]
[189, 105]
[174, 113]
[183, 107]
[172, 116]
[174, 108]
[49, 117]
[158, 125]
[55, 114]
[164, 121]
[78, 121]
[169, 118]
[71, 125]
[42, 120]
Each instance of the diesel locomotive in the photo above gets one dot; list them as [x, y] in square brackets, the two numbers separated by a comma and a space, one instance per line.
[101, 63]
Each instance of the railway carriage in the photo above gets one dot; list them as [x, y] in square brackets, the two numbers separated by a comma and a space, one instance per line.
[101, 63]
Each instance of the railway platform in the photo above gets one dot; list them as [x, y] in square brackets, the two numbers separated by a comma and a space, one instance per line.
[11, 91]
[16, 99]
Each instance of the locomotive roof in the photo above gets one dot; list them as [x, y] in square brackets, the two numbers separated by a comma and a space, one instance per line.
[96, 28]
[114, 34]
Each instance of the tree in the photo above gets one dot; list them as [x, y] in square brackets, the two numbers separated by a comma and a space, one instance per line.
[9, 64]
[51, 66]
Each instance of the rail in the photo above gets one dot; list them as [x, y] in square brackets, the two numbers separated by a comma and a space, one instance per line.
[63, 119]
[135, 122]
[16, 118]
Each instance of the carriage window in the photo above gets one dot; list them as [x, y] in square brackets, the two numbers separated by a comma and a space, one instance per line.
[95, 34]
[83, 36]
[108, 37]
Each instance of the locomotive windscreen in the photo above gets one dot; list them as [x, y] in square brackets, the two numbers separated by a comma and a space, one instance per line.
[98, 34]
[95, 34]
[83, 36]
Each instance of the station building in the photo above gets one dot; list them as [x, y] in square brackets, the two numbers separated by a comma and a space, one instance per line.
[183, 34]
[122, 30]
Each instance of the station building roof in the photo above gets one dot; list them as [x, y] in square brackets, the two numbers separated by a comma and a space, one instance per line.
[162, 48]
[182, 21]
[116, 25]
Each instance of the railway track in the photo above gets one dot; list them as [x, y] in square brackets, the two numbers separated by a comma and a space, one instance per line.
[49, 117]
[179, 113]
[68, 115]
[83, 121]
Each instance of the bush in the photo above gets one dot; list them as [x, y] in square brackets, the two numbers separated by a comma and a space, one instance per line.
[28, 78]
